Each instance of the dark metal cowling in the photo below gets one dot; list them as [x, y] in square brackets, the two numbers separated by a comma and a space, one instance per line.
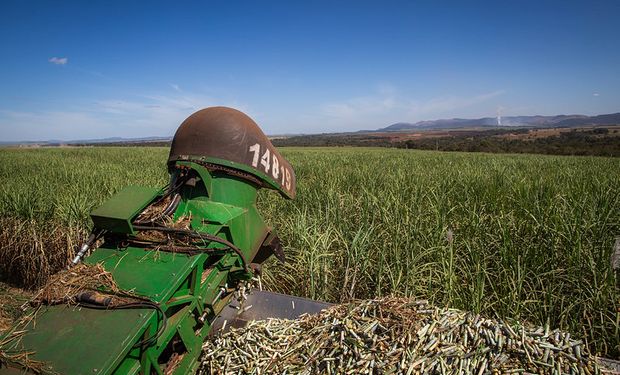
[227, 137]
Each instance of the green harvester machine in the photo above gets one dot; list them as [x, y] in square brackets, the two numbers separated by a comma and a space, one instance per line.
[184, 251]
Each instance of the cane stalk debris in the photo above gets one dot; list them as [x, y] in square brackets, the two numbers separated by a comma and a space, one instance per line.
[395, 336]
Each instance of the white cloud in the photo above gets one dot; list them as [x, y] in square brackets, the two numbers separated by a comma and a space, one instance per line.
[147, 115]
[443, 105]
[596, 94]
[160, 113]
[388, 104]
[175, 87]
[59, 60]
[46, 125]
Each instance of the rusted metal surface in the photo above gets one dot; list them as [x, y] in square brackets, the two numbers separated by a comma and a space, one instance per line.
[264, 305]
[226, 134]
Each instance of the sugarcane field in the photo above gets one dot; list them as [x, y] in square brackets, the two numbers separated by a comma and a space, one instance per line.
[480, 248]
[349, 187]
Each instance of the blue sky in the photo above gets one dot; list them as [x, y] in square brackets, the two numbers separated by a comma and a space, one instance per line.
[77, 70]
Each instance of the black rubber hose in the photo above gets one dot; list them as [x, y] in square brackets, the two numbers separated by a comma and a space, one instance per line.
[202, 236]
[176, 199]
[172, 206]
[94, 236]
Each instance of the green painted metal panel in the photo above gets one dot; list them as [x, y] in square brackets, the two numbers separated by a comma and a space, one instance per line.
[116, 213]
[152, 274]
[129, 366]
[272, 183]
[215, 212]
[85, 341]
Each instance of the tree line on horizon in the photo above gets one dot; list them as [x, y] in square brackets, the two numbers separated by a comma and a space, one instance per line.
[593, 142]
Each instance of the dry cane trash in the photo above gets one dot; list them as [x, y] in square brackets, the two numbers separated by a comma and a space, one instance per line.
[394, 336]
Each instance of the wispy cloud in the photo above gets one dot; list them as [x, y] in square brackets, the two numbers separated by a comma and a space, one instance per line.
[160, 113]
[449, 104]
[387, 104]
[59, 60]
[152, 114]
[175, 87]
[47, 125]
[596, 94]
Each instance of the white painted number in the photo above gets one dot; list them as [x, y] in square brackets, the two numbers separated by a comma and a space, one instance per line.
[264, 161]
[288, 180]
[275, 170]
[256, 150]
[268, 161]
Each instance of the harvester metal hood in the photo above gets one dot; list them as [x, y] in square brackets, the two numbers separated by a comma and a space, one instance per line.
[228, 138]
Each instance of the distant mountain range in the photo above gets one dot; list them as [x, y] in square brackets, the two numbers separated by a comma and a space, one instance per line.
[455, 123]
[517, 121]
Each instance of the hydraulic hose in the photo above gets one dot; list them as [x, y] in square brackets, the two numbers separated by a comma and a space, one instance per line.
[92, 238]
[202, 236]
[174, 203]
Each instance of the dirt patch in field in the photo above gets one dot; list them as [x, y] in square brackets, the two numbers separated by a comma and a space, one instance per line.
[595, 131]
